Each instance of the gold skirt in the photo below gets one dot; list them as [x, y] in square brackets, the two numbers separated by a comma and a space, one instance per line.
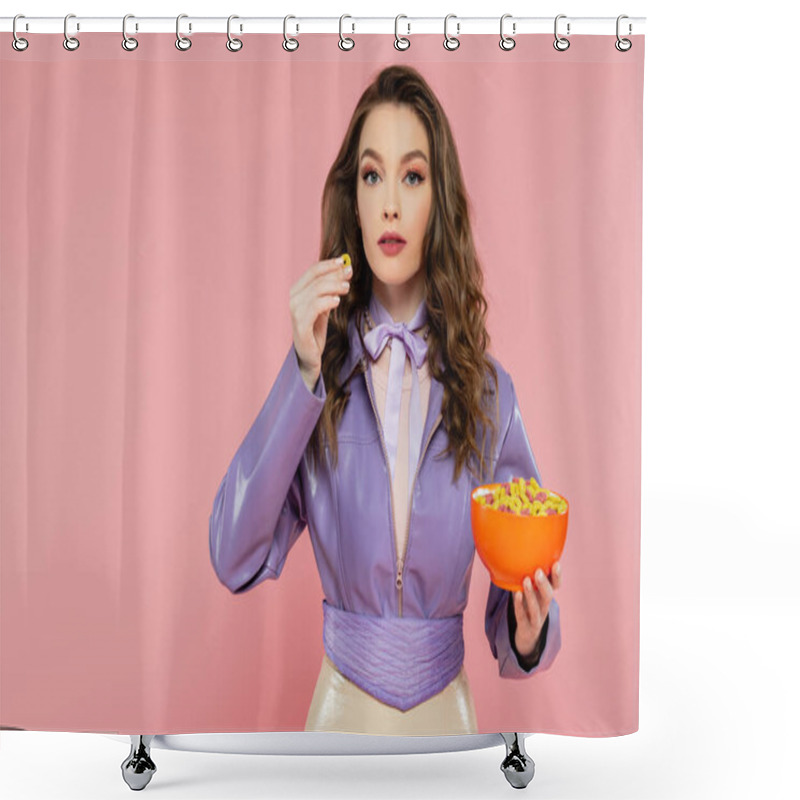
[340, 705]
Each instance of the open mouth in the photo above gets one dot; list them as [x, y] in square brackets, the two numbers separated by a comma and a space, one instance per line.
[391, 237]
[391, 247]
[391, 243]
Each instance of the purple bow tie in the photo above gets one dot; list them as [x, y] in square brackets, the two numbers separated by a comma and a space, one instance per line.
[416, 348]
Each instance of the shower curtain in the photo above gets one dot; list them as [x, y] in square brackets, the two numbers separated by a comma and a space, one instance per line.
[182, 345]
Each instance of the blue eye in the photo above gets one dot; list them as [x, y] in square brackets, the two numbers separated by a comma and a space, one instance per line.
[420, 178]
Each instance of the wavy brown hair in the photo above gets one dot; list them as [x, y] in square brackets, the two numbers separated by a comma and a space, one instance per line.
[458, 339]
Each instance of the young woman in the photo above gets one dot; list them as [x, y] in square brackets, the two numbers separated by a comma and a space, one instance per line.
[374, 435]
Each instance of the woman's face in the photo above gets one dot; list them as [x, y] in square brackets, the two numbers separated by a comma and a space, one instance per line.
[394, 196]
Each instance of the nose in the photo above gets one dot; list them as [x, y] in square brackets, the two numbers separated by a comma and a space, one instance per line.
[391, 205]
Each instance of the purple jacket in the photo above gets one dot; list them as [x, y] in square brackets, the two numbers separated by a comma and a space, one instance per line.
[270, 493]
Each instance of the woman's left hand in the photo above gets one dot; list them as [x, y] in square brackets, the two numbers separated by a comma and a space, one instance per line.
[531, 608]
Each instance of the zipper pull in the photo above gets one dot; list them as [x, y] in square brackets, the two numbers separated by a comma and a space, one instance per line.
[399, 583]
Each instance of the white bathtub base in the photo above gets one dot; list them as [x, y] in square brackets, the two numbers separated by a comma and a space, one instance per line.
[138, 768]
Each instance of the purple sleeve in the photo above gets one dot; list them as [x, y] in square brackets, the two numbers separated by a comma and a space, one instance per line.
[259, 511]
[516, 461]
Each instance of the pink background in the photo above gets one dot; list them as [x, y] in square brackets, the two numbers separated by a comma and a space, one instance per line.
[154, 216]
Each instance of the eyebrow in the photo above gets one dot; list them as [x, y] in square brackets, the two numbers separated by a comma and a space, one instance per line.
[407, 157]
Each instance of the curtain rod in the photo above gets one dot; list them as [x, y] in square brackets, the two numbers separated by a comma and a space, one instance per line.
[512, 26]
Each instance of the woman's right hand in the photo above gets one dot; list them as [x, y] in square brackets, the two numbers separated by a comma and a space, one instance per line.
[316, 292]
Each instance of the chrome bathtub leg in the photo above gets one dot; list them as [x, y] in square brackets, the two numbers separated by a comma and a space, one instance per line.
[138, 768]
[517, 766]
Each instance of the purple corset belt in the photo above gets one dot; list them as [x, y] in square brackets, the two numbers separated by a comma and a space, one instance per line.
[401, 661]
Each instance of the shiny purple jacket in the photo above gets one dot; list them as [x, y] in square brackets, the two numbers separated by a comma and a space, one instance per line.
[270, 493]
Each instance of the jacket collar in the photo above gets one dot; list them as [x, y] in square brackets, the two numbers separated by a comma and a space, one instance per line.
[358, 352]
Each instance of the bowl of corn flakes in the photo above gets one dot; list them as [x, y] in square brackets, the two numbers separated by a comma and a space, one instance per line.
[518, 527]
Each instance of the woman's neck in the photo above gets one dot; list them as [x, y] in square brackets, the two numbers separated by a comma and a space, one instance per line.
[401, 302]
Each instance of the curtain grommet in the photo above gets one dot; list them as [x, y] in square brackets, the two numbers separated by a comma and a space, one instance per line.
[400, 42]
[345, 42]
[290, 44]
[561, 43]
[129, 43]
[17, 42]
[451, 42]
[182, 42]
[70, 42]
[507, 42]
[233, 44]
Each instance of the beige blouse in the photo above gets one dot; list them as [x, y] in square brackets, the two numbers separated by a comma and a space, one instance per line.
[338, 704]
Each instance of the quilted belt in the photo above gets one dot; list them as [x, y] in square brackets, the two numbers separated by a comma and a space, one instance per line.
[401, 661]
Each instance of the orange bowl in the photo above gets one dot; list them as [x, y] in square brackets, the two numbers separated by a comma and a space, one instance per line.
[514, 545]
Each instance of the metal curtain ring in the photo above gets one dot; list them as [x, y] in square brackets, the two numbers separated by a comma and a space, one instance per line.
[233, 44]
[17, 42]
[128, 42]
[506, 42]
[623, 45]
[451, 42]
[182, 42]
[345, 43]
[70, 42]
[560, 42]
[406, 43]
[290, 44]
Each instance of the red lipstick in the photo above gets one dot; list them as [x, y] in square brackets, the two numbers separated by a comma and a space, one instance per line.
[391, 243]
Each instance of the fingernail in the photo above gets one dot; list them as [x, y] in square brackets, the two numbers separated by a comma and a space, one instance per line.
[540, 575]
[558, 569]
[527, 582]
[348, 270]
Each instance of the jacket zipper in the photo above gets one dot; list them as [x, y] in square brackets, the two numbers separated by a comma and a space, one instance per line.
[401, 566]
[398, 579]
